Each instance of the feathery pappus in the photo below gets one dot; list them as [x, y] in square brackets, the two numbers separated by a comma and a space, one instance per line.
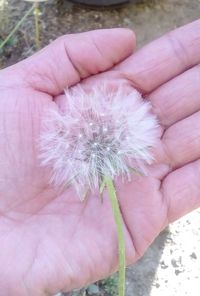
[102, 133]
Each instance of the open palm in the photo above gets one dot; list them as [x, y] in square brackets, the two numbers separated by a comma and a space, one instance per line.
[50, 241]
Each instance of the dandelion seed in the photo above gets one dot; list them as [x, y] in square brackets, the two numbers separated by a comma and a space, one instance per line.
[101, 134]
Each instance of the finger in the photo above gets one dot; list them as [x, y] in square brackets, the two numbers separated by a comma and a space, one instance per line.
[181, 190]
[73, 57]
[164, 58]
[178, 98]
[181, 142]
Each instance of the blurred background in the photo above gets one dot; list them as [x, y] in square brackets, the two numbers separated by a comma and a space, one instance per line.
[148, 18]
[171, 266]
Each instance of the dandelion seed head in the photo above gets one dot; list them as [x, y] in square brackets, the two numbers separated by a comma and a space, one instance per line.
[101, 134]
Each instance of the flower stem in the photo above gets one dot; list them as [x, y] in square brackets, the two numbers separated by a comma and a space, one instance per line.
[37, 26]
[121, 241]
[16, 27]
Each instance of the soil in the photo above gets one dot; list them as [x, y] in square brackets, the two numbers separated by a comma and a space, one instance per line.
[171, 265]
[149, 19]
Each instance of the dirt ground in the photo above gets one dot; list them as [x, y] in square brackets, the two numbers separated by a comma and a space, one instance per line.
[149, 19]
[171, 266]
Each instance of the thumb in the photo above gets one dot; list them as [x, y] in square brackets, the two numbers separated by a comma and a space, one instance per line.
[73, 57]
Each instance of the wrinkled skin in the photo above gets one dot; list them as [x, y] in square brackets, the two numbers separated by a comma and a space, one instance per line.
[50, 241]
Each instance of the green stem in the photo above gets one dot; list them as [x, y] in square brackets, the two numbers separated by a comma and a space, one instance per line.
[37, 26]
[121, 241]
[17, 26]
[3, 14]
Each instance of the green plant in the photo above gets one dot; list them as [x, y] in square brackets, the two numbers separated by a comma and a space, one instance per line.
[110, 285]
[3, 15]
[106, 287]
[14, 30]
[37, 14]
[35, 9]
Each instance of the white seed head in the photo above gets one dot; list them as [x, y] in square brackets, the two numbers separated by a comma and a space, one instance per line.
[101, 134]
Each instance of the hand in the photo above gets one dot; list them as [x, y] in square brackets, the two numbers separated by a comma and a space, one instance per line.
[48, 241]
[51, 243]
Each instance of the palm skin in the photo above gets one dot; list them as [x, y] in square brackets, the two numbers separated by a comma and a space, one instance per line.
[50, 241]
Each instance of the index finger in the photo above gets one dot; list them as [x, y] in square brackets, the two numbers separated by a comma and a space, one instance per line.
[69, 59]
[163, 59]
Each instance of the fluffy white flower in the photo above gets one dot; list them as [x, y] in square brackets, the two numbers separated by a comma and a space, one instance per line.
[102, 133]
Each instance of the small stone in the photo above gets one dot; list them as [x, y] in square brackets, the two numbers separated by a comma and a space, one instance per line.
[193, 255]
[174, 263]
[163, 265]
[177, 271]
